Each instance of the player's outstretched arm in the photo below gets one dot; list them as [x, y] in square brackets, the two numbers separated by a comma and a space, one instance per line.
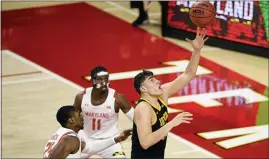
[92, 147]
[143, 117]
[190, 72]
[78, 101]
[124, 105]
[68, 145]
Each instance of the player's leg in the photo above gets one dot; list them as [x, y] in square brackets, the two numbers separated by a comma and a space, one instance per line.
[143, 15]
[115, 151]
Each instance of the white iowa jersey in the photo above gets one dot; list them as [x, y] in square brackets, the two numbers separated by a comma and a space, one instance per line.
[100, 121]
[56, 138]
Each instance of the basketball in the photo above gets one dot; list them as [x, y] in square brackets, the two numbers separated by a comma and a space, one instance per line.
[202, 13]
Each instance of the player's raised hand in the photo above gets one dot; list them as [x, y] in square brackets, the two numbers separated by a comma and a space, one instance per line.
[198, 43]
[184, 117]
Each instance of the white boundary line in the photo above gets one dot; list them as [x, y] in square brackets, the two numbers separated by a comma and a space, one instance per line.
[26, 61]
[128, 11]
[122, 8]
[27, 80]
[70, 83]
[111, 9]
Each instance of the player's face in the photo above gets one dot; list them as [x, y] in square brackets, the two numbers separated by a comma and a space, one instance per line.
[78, 119]
[101, 82]
[152, 86]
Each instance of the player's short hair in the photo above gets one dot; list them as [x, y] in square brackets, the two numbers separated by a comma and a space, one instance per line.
[140, 78]
[64, 113]
[97, 70]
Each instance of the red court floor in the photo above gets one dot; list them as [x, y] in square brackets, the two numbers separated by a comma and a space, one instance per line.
[71, 39]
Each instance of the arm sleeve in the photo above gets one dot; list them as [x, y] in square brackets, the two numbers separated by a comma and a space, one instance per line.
[130, 114]
[93, 147]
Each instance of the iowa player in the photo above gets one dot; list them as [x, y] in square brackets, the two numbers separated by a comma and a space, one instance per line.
[151, 125]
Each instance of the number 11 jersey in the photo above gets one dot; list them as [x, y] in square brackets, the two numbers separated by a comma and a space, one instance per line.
[100, 121]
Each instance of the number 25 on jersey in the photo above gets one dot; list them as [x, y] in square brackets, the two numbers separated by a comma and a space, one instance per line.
[48, 148]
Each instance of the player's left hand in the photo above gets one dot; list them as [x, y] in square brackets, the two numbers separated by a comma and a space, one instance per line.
[198, 43]
[125, 134]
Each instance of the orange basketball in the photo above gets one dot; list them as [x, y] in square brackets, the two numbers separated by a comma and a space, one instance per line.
[202, 13]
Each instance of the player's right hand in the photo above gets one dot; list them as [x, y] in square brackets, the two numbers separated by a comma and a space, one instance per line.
[124, 135]
[184, 117]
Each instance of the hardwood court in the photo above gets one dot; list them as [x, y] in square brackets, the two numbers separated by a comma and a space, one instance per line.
[36, 79]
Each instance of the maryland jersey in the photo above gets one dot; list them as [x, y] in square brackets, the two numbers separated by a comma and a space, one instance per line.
[100, 121]
[157, 150]
[56, 138]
